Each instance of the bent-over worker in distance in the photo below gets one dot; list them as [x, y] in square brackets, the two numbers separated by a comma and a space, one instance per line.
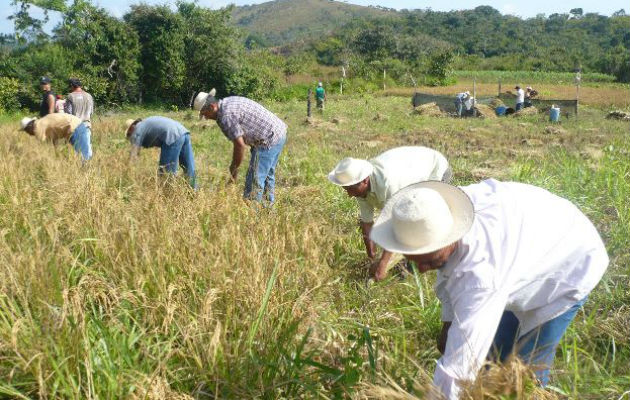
[514, 265]
[171, 137]
[373, 182]
[247, 123]
[58, 126]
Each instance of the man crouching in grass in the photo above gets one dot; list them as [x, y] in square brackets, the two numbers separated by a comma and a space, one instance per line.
[247, 123]
[56, 127]
[373, 182]
[171, 137]
[514, 265]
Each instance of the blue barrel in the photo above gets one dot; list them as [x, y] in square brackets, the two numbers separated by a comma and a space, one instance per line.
[500, 110]
[554, 114]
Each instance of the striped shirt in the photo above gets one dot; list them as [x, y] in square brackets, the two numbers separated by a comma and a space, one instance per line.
[259, 127]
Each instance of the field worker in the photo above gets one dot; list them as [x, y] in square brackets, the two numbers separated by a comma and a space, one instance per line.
[246, 123]
[373, 182]
[59, 126]
[529, 94]
[80, 103]
[514, 265]
[460, 99]
[59, 103]
[520, 98]
[47, 106]
[171, 137]
[320, 96]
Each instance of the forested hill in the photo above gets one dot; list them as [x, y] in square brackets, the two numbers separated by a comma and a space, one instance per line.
[283, 21]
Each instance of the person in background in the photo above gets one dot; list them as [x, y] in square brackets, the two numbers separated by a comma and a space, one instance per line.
[60, 126]
[47, 106]
[320, 96]
[171, 137]
[460, 100]
[373, 182]
[529, 94]
[520, 98]
[80, 103]
[247, 123]
[514, 265]
[59, 103]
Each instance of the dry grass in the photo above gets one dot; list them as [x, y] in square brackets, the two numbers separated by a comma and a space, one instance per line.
[598, 97]
[118, 284]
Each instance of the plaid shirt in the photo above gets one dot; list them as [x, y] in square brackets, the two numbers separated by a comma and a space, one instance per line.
[259, 127]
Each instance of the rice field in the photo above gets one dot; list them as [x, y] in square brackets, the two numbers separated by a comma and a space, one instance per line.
[119, 284]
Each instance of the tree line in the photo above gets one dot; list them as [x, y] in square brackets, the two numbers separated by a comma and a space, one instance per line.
[155, 54]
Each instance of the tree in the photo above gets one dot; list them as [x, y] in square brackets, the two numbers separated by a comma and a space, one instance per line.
[161, 35]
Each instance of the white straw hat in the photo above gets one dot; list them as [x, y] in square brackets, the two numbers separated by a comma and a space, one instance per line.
[350, 171]
[200, 99]
[25, 121]
[422, 218]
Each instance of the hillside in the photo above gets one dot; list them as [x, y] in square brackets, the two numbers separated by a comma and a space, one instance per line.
[282, 21]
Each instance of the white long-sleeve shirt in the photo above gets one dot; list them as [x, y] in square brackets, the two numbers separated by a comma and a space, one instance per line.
[520, 96]
[529, 252]
[396, 169]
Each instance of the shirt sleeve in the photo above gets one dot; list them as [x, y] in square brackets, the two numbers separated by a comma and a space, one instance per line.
[230, 126]
[137, 135]
[67, 107]
[477, 314]
[366, 211]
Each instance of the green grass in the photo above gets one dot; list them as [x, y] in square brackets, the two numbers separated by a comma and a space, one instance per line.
[533, 77]
[119, 285]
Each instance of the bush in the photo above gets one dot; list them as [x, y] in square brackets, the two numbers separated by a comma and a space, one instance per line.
[9, 88]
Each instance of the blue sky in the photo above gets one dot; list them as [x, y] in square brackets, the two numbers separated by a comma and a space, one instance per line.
[525, 9]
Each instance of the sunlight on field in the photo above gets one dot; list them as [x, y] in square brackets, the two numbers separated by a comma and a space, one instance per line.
[118, 284]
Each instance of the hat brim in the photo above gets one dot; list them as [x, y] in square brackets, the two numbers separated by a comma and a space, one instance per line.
[458, 202]
[366, 171]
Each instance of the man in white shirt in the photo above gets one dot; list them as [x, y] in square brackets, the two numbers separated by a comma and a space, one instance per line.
[514, 264]
[461, 99]
[373, 182]
[520, 98]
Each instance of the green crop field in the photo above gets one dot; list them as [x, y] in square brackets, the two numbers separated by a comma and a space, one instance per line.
[117, 284]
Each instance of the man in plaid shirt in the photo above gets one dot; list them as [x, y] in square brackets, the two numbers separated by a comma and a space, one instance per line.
[247, 123]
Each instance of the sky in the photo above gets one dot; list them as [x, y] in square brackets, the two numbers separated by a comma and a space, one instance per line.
[525, 9]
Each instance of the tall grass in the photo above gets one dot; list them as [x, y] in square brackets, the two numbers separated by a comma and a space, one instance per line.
[119, 284]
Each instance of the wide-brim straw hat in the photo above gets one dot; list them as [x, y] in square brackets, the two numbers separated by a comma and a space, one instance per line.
[422, 218]
[350, 171]
[128, 124]
[25, 121]
[201, 98]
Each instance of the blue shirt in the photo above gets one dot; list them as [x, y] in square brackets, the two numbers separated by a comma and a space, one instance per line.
[156, 131]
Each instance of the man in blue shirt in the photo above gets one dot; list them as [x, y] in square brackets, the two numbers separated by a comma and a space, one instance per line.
[171, 137]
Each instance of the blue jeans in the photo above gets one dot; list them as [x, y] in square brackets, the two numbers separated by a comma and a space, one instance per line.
[180, 152]
[519, 106]
[459, 107]
[81, 142]
[261, 174]
[537, 347]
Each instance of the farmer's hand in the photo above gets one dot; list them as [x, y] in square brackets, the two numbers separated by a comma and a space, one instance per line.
[378, 270]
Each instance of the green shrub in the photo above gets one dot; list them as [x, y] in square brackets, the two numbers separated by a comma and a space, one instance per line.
[9, 88]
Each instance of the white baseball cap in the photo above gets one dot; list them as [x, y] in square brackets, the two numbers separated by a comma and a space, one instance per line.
[25, 121]
[350, 171]
[422, 218]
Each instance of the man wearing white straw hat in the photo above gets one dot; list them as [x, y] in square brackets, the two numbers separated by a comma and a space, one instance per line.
[373, 182]
[514, 265]
[247, 123]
